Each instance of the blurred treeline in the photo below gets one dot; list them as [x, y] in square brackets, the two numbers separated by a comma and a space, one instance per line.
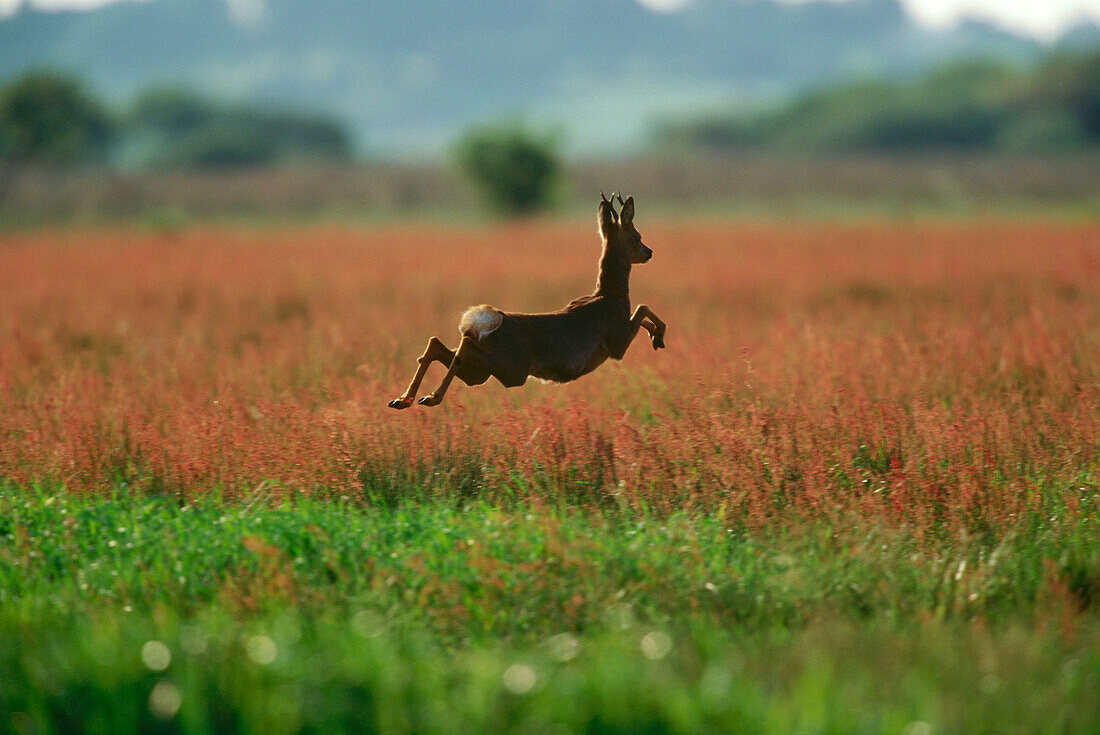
[966, 106]
[49, 118]
[968, 136]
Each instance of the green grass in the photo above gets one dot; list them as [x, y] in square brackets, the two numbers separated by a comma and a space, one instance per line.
[293, 673]
[523, 573]
[331, 616]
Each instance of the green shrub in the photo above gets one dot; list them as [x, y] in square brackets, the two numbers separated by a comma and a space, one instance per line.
[514, 168]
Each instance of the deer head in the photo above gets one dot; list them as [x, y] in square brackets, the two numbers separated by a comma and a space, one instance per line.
[618, 232]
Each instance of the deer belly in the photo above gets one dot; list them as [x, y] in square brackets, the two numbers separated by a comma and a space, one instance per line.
[565, 370]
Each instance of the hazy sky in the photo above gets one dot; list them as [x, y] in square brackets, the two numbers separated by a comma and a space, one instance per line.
[1043, 18]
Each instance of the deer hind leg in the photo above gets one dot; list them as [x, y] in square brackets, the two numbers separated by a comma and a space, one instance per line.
[469, 364]
[435, 350]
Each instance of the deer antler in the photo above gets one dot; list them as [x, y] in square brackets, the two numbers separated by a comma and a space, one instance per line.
[610, 204]
[619, 196]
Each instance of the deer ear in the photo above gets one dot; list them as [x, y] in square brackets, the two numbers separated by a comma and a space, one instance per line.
[606, 216]
[628, 211]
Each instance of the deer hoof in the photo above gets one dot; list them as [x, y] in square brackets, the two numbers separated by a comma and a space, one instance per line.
[430, 400]
[658, 341]
[399, 403]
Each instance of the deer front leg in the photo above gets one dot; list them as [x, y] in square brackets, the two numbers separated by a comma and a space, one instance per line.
[656, 334]
[645, 318]
[435, 350]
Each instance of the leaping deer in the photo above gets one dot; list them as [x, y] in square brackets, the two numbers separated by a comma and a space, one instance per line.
[560, 345]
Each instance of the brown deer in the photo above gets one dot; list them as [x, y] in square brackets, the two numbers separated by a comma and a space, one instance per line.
[560, 345]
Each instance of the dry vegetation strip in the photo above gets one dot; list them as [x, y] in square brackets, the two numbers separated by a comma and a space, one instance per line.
[934, 375]
[770, 182]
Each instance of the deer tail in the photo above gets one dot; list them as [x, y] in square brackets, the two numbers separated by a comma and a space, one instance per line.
[478, 322]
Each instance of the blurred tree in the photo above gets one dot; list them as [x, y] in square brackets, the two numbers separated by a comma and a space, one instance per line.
[514, 168]
[171, 110]
[47, 117]
[1072, 84]
[172, 127]
[1042, 131]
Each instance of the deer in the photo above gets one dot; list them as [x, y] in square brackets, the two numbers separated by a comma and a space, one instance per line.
[558, 346]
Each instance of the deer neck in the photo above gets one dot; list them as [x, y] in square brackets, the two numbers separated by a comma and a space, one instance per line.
[614, 278]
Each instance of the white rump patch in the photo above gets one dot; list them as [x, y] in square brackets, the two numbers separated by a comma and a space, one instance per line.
[480, 321]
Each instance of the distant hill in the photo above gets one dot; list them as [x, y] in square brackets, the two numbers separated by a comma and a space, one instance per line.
[406, 75]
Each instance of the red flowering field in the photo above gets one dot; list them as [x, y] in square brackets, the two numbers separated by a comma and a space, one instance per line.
[856, 493]
[929, 373]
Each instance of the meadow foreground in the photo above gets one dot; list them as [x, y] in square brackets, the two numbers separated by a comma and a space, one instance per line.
[857, 492]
